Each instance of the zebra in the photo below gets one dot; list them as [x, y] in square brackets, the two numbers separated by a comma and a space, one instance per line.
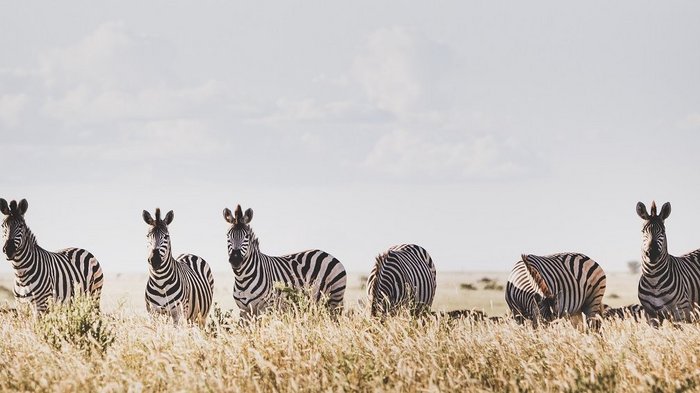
[543, 288]
[669, 286]
[402, 276]
[182, 288]
[635, 311]
[42, 276]
[257, 274]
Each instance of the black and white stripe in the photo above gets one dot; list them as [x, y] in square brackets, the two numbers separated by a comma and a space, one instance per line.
[635, 311]
[554, 286]
[669, 286]
[182, 288]
[403, 276]
[40, 275]
[315, 271]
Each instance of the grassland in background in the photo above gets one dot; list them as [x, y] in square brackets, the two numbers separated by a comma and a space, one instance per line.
[126, 289]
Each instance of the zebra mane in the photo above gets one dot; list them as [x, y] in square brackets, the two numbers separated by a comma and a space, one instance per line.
[537, 277]
[380, 259]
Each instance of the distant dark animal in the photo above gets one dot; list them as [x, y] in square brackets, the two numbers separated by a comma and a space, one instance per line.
[669, 286]
[182, 288]
[543, 288]
[403, 276]
[42, 276]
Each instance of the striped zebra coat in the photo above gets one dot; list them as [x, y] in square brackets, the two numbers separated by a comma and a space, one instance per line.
[543, 288]
[182, 288]
[314, 271]
[42, 276]
[669, 286]
[402, 276]
[635, 311]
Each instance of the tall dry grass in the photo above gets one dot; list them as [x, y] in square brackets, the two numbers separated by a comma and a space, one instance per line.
[312, 351]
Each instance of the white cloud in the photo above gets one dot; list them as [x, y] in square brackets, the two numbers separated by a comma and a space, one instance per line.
[401, 71]
[84, 104]
[110, 57]
[112, 76]
[412, 154]
[11, 106]
[312, 110]
[163, 139]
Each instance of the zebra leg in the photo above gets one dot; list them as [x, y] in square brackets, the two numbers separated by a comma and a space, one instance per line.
[244, 318]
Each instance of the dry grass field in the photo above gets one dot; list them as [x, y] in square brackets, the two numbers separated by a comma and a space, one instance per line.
[78, 349]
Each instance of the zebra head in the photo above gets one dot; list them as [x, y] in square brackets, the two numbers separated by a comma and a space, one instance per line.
[158, 238]
[545, 299]
[241, 238]
[14, 227]
[654, 244]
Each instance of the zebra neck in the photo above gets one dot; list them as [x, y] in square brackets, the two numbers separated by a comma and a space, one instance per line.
[30, 253]
[28, 248]
[26, 264]
[252, 267]
[165, 273]
[653, 268]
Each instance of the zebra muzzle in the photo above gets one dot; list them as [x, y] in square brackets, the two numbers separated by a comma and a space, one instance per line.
[9, 250]
[235, 259]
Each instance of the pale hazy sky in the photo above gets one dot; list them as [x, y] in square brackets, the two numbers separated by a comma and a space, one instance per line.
[479, 130]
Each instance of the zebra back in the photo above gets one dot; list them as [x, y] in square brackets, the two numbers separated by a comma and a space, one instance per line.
[404, 275]
[575, 282]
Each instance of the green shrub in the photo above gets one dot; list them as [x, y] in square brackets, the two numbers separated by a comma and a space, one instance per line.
[78, 323]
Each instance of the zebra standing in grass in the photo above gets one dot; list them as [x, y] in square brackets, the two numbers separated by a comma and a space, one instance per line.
[669, 286]
[40, 275]
[402, 276]
[256, 273]
[182, 288]
[549, 287]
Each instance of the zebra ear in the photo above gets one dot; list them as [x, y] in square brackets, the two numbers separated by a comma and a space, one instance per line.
[248, 216]
[665, 210]
[642, 211]
[22, 207]
[169, 217]
[147, 218]
[228, 216]
[539, 280]
[4, 208]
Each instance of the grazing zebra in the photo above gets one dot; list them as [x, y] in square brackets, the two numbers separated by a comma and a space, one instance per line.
[635, 311]
[554, 286]
[255, 273]
[669, 286]
[402, 276]
[182, 287]
[42, 276]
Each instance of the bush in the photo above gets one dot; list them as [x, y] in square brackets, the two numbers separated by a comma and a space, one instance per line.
[78, 323]
[468, 286]
[219, 320]
[493, 286]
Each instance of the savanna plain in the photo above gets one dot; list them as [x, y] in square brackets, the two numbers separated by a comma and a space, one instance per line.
[121, 348]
